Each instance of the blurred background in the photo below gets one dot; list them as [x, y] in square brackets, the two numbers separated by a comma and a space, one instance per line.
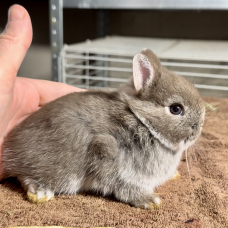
[81, 24]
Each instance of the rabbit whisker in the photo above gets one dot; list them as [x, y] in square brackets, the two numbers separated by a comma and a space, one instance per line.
[190, 178]
[196, 80]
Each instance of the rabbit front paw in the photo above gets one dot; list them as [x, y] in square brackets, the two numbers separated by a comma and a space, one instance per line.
[153, 202]
[40, 196]
[176, 176]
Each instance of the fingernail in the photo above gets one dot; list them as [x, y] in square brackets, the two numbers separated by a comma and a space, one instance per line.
[15, 13]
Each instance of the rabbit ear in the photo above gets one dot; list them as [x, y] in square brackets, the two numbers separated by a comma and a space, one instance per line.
[143, 72]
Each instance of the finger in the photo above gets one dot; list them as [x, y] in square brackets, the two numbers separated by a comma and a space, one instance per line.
[49, 91]
[14, 43]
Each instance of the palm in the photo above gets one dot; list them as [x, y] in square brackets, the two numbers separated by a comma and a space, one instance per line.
[25, 101]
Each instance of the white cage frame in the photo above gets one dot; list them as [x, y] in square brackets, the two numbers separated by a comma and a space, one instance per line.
[107, 62]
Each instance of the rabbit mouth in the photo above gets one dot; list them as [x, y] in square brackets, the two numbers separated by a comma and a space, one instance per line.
[191, 138]
[196, 131]
[189, 141]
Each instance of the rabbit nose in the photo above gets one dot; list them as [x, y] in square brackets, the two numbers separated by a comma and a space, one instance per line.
[194, 126]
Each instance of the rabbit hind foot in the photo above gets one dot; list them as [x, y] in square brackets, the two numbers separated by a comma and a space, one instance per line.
[40, 196]
[176, 176]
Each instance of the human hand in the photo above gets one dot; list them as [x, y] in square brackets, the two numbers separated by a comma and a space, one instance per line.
[19, 97]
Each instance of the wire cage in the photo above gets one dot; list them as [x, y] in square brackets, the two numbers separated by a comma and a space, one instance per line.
[107, 62]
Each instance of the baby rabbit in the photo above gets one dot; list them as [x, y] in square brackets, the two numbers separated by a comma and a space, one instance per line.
[123, 143]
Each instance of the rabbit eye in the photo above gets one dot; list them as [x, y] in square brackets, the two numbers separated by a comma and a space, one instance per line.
[176, 109]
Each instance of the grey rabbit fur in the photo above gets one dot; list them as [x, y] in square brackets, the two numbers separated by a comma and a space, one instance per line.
[123, 143]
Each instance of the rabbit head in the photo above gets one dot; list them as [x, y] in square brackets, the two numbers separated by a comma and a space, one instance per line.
[169, 105]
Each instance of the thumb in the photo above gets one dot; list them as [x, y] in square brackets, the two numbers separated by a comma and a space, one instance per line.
[14, 43]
